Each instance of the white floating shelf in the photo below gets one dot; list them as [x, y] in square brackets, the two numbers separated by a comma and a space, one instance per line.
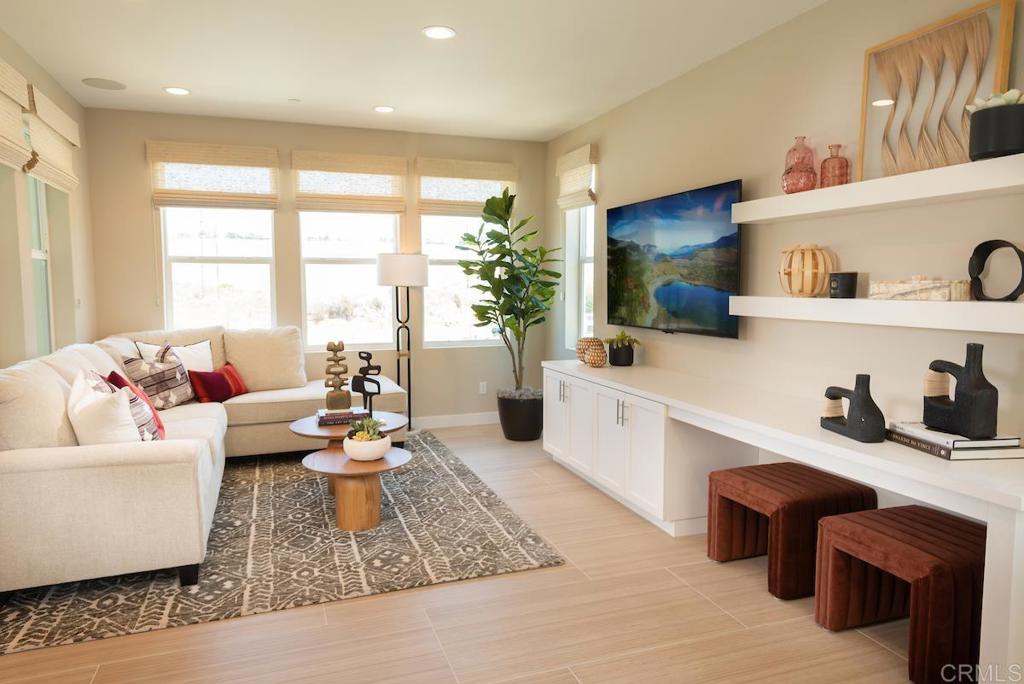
[990, 317]
[1000, 176]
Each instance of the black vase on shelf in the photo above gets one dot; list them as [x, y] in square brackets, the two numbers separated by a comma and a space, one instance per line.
[863, 422]
[620, 356]
[974, 408]
[997, 132]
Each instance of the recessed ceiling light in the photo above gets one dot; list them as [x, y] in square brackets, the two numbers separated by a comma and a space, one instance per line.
[383, 109]
[883, 103]
[104, 83]
[439, 32]
[175, 90]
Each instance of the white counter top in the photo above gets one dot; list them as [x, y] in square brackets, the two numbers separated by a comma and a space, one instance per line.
[789, 426]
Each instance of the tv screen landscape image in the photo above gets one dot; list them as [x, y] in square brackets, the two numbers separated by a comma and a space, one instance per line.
[674, 261]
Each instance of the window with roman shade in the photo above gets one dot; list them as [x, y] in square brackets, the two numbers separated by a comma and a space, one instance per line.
[53, 135]
[451, 187]
[575, 171]
[14, 149]
[209, 175]
[331, 181]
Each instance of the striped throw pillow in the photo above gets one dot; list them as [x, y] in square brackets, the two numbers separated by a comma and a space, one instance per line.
[164, 379]
[146, 417]
[219, 385]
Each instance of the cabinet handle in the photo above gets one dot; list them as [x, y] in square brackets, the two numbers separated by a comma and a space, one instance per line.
[618, 412]
[559, 391]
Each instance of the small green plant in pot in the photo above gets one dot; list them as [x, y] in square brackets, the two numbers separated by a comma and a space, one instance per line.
[620, 349]
[518, 285]
[365, 441]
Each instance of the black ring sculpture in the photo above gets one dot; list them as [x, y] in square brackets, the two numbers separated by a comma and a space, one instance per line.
[977, 264]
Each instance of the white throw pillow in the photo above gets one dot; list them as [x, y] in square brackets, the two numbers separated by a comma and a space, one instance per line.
[267, 359]
[196, 357]
[100, 414]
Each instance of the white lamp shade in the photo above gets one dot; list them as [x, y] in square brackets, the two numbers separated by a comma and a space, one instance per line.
[402, 270]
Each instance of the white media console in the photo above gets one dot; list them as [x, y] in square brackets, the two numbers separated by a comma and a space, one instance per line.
[649, 437]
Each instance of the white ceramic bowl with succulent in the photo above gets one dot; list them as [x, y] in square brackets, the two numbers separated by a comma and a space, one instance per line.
[1010, 97]
[365, 442]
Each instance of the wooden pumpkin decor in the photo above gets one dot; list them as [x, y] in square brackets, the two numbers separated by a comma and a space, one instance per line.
[805, 270]
[585, 343]
[595, 357]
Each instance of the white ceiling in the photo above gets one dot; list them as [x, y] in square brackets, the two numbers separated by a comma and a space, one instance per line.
[518, 69]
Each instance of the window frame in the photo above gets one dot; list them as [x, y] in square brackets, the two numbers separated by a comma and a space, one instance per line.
[341, 261]
[575, 259]
[37, 199]
[447, 261]
[167, 261]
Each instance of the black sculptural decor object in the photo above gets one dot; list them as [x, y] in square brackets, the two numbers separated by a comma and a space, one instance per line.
[864, 421]
[974, 409]
[976, 266]
[364, 383]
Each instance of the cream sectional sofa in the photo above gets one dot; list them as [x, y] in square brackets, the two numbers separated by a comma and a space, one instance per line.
[71, 512]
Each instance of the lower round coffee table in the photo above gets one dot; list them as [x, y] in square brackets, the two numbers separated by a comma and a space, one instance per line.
[356, 484]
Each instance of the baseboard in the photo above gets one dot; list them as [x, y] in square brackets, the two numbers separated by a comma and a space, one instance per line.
[454, 420]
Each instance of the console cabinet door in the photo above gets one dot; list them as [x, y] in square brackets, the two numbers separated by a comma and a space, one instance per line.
[581, 425]
[556, 413]
[610, 440]
[645, 482]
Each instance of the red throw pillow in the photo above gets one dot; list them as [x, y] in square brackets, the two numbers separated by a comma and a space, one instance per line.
[119, 381]
[219, 385]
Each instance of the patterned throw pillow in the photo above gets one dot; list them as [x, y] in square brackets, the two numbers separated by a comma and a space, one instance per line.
[164, 379]
[143, 412]
[220, 385]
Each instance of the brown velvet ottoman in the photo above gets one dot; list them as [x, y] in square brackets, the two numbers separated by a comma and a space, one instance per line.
[774, 508]
[885, 564]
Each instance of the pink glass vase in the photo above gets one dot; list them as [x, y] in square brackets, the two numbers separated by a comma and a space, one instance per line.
[835, 170]
[799, 175]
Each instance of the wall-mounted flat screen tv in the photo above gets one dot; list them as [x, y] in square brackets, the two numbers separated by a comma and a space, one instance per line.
[674, 261]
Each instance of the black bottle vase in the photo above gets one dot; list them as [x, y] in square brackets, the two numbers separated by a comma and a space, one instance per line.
[864, 421]
[974, 409]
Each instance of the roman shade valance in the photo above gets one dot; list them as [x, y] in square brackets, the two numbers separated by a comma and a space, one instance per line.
[453, 187]
[210, 175]
[575, 171]
[333, 181]
[53, 135]
[14, 149]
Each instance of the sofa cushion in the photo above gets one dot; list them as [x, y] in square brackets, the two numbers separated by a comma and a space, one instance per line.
[164, 379]
[101, 413]
[198, 421]
[267, 359]
[101, 361]
[286, 405]
[68, 363]
[179, 338]
[196, 357]
[33, 407]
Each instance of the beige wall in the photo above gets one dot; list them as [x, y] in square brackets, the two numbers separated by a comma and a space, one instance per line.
[735, 117]
[71, 234]
[128, 283]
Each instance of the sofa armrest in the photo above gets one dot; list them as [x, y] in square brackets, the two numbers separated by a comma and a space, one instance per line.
[133, 454]
[72, 513]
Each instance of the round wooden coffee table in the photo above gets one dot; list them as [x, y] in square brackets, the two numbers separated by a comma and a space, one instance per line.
[356, 484]
[334, 434]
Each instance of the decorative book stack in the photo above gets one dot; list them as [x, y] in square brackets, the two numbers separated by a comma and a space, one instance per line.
[953, 447]
[336, 416]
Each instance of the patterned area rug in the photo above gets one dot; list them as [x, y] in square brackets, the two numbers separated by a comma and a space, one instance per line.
[274, 545]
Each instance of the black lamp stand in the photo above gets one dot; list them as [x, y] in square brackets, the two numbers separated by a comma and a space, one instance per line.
[403, 334]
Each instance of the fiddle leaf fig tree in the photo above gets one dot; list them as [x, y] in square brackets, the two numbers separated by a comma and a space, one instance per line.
[516, 278]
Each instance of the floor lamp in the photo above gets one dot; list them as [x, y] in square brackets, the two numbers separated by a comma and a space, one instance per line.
[403, 271]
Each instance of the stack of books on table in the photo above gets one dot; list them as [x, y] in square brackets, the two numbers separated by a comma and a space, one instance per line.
[335, 416]
[953, 447]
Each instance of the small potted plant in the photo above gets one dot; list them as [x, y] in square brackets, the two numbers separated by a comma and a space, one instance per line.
[997, 125]
[620, 349]
[365, 441]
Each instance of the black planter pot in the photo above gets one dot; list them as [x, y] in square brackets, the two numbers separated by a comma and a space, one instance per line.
[997, 131]
[522, 420]
[620, 356]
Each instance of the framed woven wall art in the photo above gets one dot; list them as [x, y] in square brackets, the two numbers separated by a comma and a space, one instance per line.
[917, 85]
